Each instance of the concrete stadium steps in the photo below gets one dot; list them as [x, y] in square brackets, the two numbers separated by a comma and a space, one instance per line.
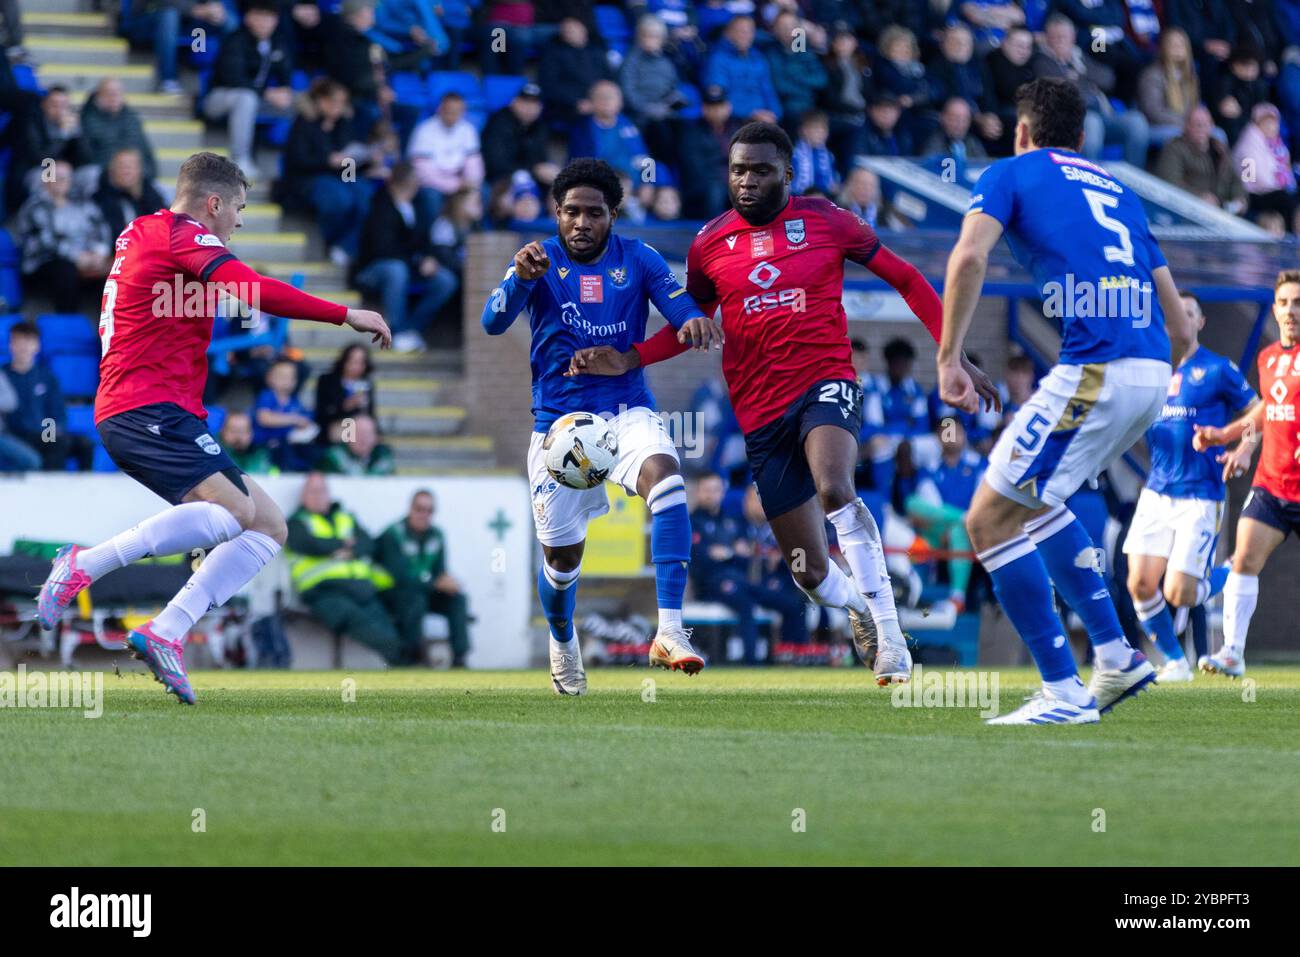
[272, 244]
[439, 364]
[39, 23]
[101, 51]
[261, 218]
[414, 454]
[150, 106]
[395, 392]
[170, 158]
[437, 420]
[62, 6]
[320, 277]
[174, 134]
[136, 77]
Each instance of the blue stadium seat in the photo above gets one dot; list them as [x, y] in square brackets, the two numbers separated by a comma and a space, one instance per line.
[499, 89]
[410, 90]
[78, 376]
[67, 334]
[25, 77]
[6, 323]
[101, 461]
[9, 255]
[216, 419]
[81, 421]
[612, 25]
[691, 111]
[11, 288]
[442, 82]
[477, 118]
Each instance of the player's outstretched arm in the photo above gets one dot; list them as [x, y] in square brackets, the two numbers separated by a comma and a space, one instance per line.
[506, 300]
[967, 264]
[700, 334]
[1247, 427]
[1180, 328]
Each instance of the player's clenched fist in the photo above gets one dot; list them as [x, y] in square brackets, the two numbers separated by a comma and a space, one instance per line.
[531, 262]
[1205, 436]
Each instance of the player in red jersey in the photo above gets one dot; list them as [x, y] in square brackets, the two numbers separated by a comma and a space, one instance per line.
[155, 326]
[1272, 508]
[775, 265]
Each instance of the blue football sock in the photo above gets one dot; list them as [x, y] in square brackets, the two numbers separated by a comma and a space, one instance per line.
[1069, 555]
[559, 594]
[1201, 630]
[1218, 577]
[1020, 581]
[670, 546]
[1156, 621]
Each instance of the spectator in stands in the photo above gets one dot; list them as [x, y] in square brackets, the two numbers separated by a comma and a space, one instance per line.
[11, 20]
[991, 19]
[158, 24]
[607, 134]
[903, 402]
[1102, 125]
[569, 67]
[957, 72]
[953, 139]
[321, 163]
[861, 195]
[1265, 164]
[358, 450]
[413, 551]
[704, 155]
[346, 390]
[881, 133]
[509, 36]
[743, 73]
[124, 193]
[937, 509]
[353, 59]
[797, 72]
[899, 71]
[1168, 89]
[1010, 69]
[411, 33]
[40, 420]
[1021, 380]
[847, 86]
[51, 133]
[329, 555]
[236, 437]
[1210, 27]
[720, 553]
[456, 17]
[462, 214]
[651, 88]
[1102, 23]
[281, 423]
[514, 139]
[65, 242]
[1199, 163]
[251, 79]
[395, 253]
[774, 587]
[444, 150]
[108, 125]
[1240, 89]
[516, 200]
[667, 204]
[15, 454]
[814, 166]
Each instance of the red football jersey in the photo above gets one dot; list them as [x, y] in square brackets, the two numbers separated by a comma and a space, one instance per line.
[1279, 381]
[155, 319]
[780, 286]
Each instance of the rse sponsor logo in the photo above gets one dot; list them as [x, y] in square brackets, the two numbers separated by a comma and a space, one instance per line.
[794, 299]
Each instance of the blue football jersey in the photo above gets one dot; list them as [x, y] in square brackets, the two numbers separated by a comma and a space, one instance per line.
[1085, 239]
[574, 306]
[954, 484]
[1206, 389]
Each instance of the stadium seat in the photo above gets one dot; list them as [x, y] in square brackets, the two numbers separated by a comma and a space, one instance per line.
[81, 420]
[78, 376]
[499, 89]
[67, 334]
[9, 255]
[6, 323]
[11, 288]
[477, 119]
[410, 90]
[612, 26]
[101, 461]
[442, 82]
[216, 419]
[691, 110]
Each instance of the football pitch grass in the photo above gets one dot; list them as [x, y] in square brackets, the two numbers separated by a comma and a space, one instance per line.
[736, 766]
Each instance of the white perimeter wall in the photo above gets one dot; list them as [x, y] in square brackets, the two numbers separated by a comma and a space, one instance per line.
[495, 569]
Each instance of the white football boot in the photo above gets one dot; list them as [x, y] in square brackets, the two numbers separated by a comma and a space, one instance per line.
[1175, 670]
[1224, 662]
[567, 674]
[893, 661]
[1042, 708]
[1113, 686]
[672, 649]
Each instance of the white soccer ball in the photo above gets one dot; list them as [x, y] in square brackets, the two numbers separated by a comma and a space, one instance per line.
[580, 450]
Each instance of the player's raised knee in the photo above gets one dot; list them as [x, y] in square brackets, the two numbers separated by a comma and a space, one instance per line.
[1181, 593]
[1141, 588]
[834, 494]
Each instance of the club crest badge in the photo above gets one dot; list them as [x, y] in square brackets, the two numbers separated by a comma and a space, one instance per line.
[794, 231]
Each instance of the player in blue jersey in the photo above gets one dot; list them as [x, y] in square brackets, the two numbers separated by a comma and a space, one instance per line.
[1084, 237]
[1175, 529]
[588, 287]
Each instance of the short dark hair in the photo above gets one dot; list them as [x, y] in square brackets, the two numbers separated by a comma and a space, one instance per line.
[262, 6]
[587, 171]
[1188, 294]
[342, 360]
[1054, 110]
[899, 349]
[24, 328]
[859, 345]
[759, 132]
[1286, 276]
[402, 174]
[206, 173]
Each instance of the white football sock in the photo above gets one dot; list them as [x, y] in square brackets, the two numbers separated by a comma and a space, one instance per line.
[860, 543]
[180, 528]
[837, 591]
[1240, 594]
[228, 568]
[1070, 689]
